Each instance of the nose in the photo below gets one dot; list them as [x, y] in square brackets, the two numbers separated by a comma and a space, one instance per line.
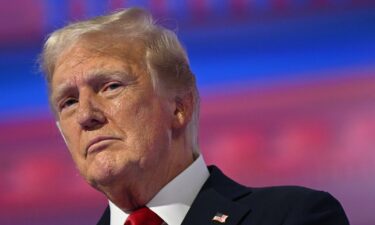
[90, 113]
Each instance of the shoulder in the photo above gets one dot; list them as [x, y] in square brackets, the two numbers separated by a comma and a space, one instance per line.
[289, 197]
[226, 186]
[283, 195]
[289, 194]
[281, 204]
[295, 205]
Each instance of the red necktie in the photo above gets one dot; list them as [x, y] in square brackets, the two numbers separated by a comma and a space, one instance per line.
[143, 216]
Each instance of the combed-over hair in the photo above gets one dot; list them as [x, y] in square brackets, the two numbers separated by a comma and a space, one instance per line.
[166, 60]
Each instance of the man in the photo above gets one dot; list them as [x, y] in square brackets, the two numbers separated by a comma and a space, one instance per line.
[127, 106]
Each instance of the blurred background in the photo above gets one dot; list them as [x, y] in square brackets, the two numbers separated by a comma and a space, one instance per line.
[287, 88]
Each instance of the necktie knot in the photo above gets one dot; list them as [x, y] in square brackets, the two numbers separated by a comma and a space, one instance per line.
[143, 216]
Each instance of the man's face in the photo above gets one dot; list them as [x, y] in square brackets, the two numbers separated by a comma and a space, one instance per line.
[114, 123]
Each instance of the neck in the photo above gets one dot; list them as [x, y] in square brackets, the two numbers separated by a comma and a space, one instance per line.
[129, 195]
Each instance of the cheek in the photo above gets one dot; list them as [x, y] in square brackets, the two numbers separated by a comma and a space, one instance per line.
[151, 123]
[72, 141]
[155, 131]
[145, 125]
[71, 138]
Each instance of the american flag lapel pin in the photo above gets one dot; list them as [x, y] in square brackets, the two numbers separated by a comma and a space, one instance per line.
[219, 217]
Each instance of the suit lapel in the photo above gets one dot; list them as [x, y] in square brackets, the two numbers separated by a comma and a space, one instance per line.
[218, 195]
[104, 220]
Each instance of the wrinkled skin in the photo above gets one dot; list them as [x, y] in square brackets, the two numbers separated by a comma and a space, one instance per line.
[118, 129]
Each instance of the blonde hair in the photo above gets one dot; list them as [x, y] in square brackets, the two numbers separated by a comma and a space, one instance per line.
[166, 60]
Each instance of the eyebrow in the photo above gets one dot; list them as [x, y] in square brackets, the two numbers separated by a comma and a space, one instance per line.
[60, 91]
[92, 78]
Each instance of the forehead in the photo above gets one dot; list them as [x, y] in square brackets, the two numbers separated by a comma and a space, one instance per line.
[101, 45]
[92, 55]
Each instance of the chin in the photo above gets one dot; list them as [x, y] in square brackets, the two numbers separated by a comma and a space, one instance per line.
[102, 173]
[102, 178]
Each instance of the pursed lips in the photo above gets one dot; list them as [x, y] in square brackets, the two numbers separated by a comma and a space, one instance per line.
[97, 140]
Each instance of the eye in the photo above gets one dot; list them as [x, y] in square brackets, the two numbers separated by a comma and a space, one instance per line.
[111, 86]
[67, 103]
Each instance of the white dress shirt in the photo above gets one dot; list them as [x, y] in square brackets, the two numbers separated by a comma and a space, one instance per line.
[174, 200]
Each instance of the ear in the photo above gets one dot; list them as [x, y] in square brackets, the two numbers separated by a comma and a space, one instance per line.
[183, 111]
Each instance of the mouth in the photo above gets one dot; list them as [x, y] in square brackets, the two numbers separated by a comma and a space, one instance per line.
[99, 143]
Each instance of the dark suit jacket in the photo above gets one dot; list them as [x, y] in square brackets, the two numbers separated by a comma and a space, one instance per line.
[286, 205]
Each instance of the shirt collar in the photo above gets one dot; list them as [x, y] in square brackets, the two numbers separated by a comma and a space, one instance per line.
[174, 200]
